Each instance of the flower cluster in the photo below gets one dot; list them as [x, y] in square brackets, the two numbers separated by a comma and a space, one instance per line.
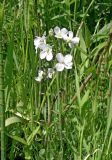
[46, 52]
[42, 73]
[66, 35]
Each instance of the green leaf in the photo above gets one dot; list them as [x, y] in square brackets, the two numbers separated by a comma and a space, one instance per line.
[105, 29]
[84, 48]
[82, 42]
[77, 87]
[19, 139]
[12, 120]
[58, 16]
[97, 49]
[41, 152]
[85, 98]
[103, 33]
[32, 135]
[87, 37]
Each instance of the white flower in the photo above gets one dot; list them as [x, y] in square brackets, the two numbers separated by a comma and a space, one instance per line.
[70, 39]
[60, 33]
[40, 76]
[38, 41]
[50, 73]
[46, 52]
[64, 62]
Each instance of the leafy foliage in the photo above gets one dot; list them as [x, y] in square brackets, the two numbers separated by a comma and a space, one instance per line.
[70, 116]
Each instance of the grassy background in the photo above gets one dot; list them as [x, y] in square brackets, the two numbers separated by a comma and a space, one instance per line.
[56, 119]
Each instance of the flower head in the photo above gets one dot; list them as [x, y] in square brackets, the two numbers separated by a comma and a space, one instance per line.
[46, 52]
[60, 33]
[70, 39]
[38, 41]
[50, 73]
[40, 76]
[63, 62]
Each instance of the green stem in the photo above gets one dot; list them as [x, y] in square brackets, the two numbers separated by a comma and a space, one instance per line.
[49, 110]
[75, 10]
[2, 105]
[44, 98]
[81, 24]
[60, 117]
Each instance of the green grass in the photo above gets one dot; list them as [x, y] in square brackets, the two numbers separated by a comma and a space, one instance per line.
[70, 116]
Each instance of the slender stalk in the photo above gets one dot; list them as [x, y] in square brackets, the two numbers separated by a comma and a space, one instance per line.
[82, 22]
[49, 110]
[2, 106]
[60, 118]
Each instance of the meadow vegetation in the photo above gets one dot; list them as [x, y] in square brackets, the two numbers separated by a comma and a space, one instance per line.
[66, 115]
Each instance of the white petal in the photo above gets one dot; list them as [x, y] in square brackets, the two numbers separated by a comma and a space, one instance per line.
[67, 58]
[42, 46]
[43, 39]
[38, 79]
[56, 30]
[65, 37]
[60, 57]
[40, 73]
[50, 75]
[59, 67]
[43, 54]
[49, 56]
[70, 33]
[36, 42]
[75, 40]
[68, 65]
[39, 41]
[71, 45]
[64, 32]
[50, 72]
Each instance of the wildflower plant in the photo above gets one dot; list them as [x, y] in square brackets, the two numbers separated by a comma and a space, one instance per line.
[61, 61]
[65, 111]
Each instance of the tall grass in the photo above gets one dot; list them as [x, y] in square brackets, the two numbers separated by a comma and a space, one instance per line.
[68, 117]
[2, 104]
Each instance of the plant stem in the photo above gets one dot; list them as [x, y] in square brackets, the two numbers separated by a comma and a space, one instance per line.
[82, 22]
[60, 118]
